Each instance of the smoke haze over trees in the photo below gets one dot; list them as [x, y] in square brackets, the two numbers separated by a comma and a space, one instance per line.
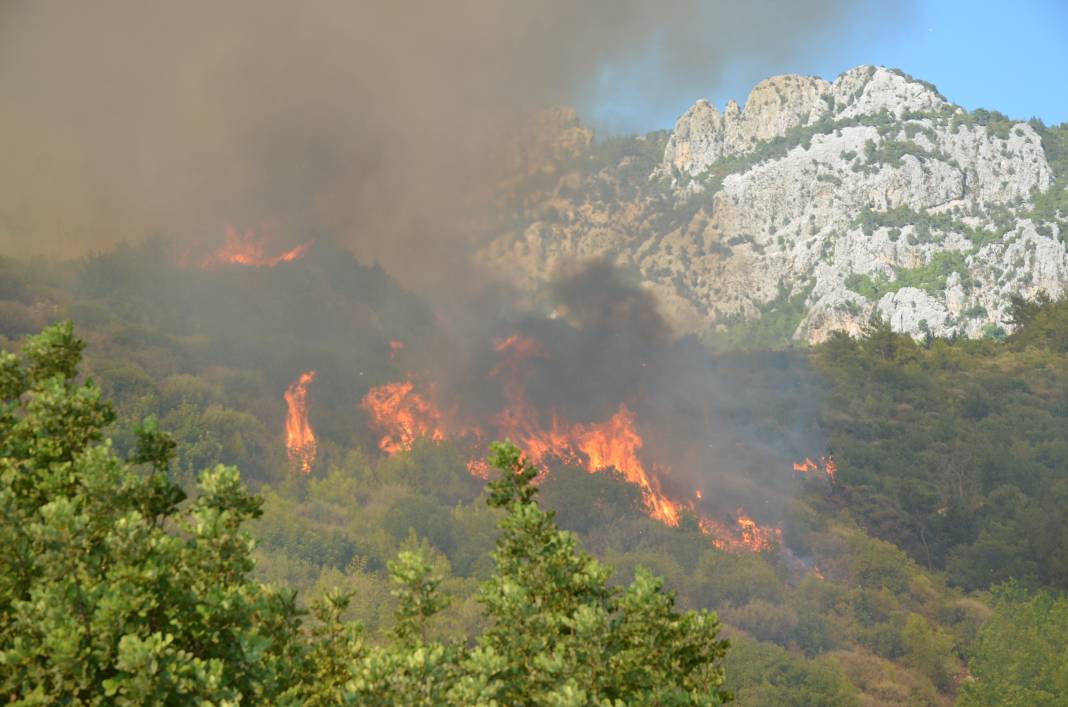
[260, 217]
[383, 124]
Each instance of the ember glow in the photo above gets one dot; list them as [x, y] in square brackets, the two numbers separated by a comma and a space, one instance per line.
[249, 249]
[401, 416]
[300, 440]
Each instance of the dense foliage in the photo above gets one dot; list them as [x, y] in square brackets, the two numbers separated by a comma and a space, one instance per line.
[112, 590]
[957, 450]
[1019, 657]
[110, 593]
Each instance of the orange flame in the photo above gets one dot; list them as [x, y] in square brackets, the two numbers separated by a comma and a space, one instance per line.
[478, 468]
[615, 444]
[401, 416]
[746, 535]
[395, 347]
[830, 468]
[249, 249]
[595, 446]
[756, 537]
[300, 440]
[517, 350]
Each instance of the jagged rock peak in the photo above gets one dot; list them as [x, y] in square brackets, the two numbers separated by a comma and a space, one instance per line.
[703, 135]
[868, 196]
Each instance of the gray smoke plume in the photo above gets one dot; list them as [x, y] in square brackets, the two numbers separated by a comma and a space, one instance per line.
[380, 122]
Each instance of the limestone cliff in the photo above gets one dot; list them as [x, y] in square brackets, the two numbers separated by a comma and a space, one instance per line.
[812, 208]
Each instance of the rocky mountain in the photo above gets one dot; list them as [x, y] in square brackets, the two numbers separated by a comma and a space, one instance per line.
[816, 206]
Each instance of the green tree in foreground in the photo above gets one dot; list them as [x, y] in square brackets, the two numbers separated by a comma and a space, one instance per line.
[115, 590]
[109, 592]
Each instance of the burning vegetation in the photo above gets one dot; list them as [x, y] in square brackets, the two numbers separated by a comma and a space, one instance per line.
[745, 535]
[809, 467]
[250, 249]
[400, 415]
[301, 445]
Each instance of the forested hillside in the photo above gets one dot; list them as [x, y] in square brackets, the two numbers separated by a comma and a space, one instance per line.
[957, 450]
[881, 584]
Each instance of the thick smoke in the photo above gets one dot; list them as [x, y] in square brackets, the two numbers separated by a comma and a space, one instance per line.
[379, 122]
[389, 127]
[727, 424]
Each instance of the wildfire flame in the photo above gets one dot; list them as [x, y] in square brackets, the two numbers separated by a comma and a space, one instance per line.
[615, 444]
[401, 416]
[746, 534]
[830, 468]
[595, 446]
[517, 349]
[300, 440]
[249, 249]
[479, 469]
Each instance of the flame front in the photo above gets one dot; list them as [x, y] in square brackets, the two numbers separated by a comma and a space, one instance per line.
[757, 537]
[249, 249]
[300, 440]
[612, 444]
[615, 444]
[401, 416]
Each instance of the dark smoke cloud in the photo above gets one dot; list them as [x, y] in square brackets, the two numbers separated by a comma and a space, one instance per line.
[380, 122]
[599, 300]
[729, 424]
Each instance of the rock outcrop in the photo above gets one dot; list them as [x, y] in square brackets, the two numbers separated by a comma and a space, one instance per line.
[812, 209]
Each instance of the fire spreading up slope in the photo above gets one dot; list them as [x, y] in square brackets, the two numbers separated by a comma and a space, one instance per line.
[400, 414]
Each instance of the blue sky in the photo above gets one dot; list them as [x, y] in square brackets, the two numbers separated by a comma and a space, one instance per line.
[1011, 57]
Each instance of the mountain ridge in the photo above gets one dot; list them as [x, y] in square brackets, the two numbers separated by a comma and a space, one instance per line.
[815, 207]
